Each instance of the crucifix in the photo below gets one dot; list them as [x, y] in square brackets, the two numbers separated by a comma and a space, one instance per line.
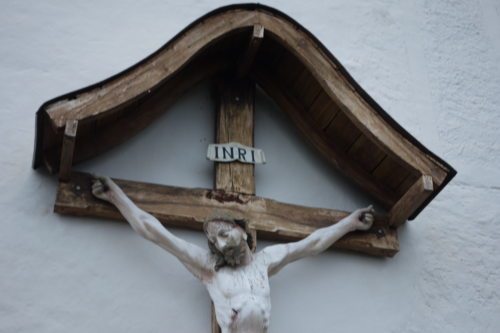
[236, 278]
[327, 106]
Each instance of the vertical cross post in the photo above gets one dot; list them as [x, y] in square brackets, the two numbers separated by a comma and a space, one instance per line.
[235, 111]
[235, 123]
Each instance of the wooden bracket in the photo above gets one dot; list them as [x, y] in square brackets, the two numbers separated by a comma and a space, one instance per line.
[68, 148]
[253, 46]
[411, 200]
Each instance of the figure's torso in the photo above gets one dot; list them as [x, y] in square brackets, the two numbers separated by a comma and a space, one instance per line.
[241, 298]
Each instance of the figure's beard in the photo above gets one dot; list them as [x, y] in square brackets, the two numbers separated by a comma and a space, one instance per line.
[230, 256]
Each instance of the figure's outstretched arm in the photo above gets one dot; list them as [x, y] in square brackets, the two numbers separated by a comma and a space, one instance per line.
[192, 256]
[278, 256]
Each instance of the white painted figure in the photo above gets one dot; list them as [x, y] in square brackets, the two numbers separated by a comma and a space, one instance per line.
[236, 279]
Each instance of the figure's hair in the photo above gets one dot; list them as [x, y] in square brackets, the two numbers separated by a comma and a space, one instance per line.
[221, 259]
[242, 223]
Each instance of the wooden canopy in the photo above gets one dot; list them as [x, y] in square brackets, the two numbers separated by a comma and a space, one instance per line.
[333, 113]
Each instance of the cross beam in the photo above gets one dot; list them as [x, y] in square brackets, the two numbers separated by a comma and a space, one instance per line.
[188, 208]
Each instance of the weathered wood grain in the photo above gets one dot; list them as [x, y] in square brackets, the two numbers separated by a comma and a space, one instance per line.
[235, 124]
[342, 133]
[306, 88]
[68, 148]
[402, 210]
[366, 153]
[253, 46]
[318, 140]
[323, 110]
[188, 208]
[345, 95]
[389, 172]
[153, 71]
[99, 135]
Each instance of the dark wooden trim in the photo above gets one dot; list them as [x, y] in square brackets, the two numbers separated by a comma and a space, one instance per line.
[413, 198]
[289, 104]
[235, 123]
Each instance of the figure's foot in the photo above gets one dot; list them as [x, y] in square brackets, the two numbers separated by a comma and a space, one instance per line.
[100, 188]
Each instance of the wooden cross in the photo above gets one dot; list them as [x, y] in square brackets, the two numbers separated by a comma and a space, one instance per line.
[234, 189]
[234, 184]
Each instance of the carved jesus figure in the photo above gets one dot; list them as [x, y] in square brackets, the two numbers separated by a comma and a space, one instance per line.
[236, 278]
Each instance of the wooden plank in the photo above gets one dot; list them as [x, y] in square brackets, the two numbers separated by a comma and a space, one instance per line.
[320, 141]
[306, 87]
[366, 153]
[154, 70]
[323, 110]
[188, 208]
[176, 54]
[68, 148]
[343, 93]
[341, 132]
[406, 183]
[412, 199]
[251, 51]
[235, 124]
[391, 173]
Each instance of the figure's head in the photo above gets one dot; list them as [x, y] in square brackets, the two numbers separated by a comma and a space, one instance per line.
[229, 239]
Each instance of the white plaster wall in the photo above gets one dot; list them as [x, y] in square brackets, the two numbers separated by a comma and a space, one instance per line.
[433, 65]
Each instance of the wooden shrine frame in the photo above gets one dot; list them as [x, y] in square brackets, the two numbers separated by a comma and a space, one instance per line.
[262, 45]
[244, 45]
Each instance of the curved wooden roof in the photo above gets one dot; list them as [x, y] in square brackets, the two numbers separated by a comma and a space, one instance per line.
[329, 108]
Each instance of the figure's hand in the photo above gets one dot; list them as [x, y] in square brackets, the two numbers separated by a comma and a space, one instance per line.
[363, 218]
[100, 188]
